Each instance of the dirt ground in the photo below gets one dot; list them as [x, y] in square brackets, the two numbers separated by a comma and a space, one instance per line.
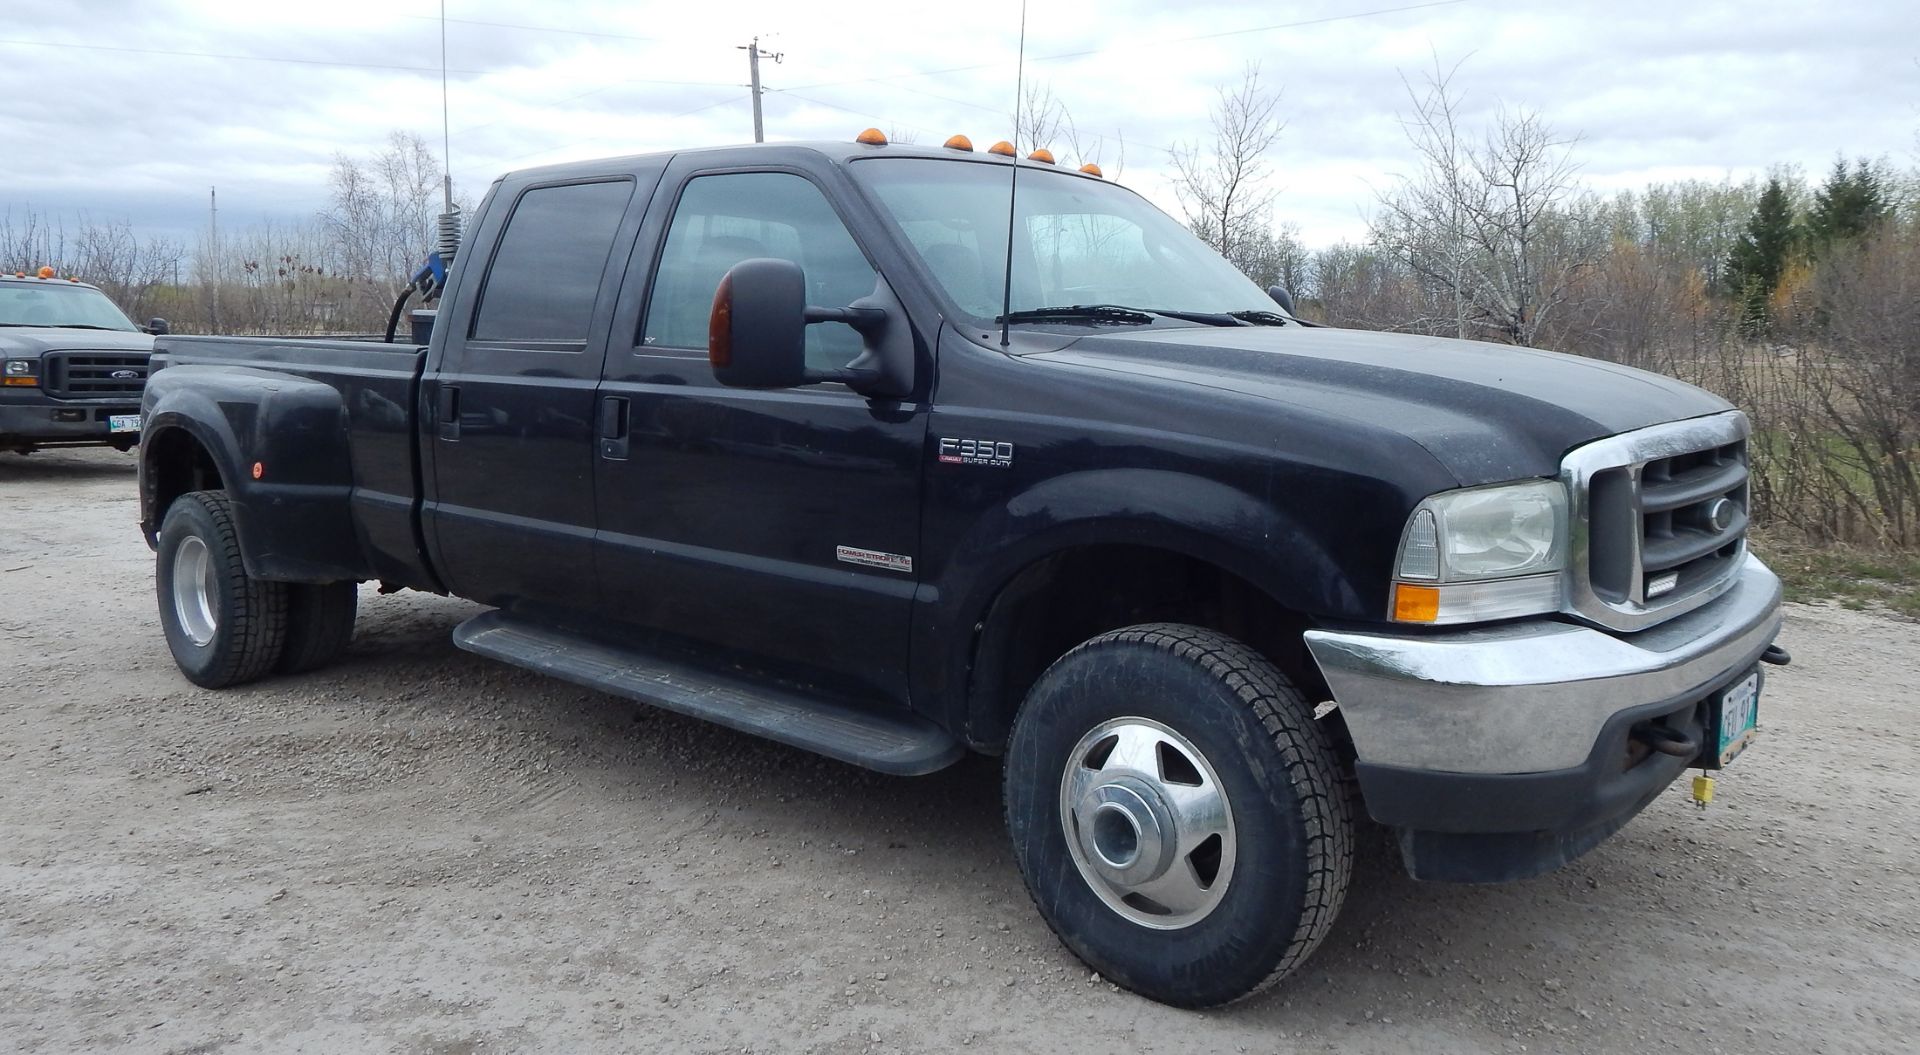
[422, 851]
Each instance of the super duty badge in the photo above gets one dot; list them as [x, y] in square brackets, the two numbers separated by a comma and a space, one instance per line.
[997, 453]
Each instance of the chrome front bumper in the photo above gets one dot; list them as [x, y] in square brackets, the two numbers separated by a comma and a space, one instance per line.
[1532, 696]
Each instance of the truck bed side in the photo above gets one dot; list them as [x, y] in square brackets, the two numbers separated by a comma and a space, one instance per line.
[314, 439]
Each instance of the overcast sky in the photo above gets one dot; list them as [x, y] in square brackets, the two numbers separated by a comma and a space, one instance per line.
[130, 110]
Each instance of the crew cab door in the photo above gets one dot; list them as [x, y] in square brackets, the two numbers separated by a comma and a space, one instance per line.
[510, 404]
[779, 525]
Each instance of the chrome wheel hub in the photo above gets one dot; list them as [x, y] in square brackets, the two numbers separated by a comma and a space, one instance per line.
[193, 590]
[1147, 823]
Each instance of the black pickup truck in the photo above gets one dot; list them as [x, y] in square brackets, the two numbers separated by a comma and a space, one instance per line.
[743, 433]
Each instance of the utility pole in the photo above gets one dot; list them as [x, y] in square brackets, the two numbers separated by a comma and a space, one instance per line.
[213, 250]
[754, 55]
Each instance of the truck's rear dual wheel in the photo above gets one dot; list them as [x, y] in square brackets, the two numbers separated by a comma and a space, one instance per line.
[223, 627]
[1178, 814]
[319, 624]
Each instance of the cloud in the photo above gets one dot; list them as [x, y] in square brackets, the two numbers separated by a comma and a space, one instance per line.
[1652, 89]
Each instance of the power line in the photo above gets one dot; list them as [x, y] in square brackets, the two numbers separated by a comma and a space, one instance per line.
[603, 139]
[299, 61]
[1156, 42]
[538, 29]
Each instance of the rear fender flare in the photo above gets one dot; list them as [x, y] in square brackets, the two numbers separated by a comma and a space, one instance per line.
[280, 444]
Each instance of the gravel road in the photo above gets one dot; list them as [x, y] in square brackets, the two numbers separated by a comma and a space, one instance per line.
[421, 851]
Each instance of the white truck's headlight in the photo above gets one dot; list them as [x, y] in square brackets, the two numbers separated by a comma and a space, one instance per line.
[1483, 553]
[20, 367]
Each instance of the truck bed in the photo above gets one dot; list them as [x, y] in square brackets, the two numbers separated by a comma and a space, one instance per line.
[365, 436]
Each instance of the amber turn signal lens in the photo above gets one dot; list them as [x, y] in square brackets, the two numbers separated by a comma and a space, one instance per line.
[720, 325]
[20, 382]
[1416, 604]
[872, 137]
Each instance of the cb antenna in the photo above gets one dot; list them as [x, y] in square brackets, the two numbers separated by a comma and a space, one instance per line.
[446, 127]
[1013, 182]
[447, 226]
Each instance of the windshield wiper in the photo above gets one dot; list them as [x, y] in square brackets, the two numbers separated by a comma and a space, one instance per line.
[1261, 318]
[1116, 313]
[87, 326]
[1096, 312]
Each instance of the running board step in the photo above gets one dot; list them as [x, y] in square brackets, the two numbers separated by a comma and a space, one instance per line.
[898, 743]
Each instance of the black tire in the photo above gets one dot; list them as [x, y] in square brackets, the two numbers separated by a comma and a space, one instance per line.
[249, 623]
[319, 624]
[1292, 825]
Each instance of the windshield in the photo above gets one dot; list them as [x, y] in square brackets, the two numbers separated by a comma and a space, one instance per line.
[63, 304]
[1076, 241]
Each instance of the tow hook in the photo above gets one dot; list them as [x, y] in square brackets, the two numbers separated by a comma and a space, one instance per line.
[1666, 741]
[1776, 655]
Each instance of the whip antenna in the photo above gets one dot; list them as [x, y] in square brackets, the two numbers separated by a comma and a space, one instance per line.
[446, 243]
[446, 128]
[1013, 182]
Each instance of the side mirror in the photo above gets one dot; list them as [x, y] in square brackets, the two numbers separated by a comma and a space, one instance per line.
[158, 327]
[757, 334]
[1281, 297]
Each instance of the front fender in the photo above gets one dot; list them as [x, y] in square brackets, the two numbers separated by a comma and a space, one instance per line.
[1196, 517]
[293, 517]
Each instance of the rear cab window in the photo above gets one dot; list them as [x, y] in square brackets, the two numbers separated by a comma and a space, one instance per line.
[546, 272]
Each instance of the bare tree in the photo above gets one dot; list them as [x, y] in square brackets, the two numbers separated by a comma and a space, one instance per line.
[109, 254]
[1223, 190]
[380, 221]
[1498, 226]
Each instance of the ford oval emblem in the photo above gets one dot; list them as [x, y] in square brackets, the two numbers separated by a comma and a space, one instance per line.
[125, 375]
[1720, 514]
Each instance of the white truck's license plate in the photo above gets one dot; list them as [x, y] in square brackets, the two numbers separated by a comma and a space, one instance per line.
[123, 423]
[1739, 712]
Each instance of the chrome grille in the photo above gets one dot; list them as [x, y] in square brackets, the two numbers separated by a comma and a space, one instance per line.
[95, 375]
[1659, 519]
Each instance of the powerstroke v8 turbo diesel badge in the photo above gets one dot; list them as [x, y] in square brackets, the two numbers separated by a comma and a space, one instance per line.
[997, 453]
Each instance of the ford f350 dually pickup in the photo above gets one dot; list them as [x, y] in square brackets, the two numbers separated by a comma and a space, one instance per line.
[749, 433]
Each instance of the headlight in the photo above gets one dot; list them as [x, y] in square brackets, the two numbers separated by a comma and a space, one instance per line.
[1483, 553]
[20, 367]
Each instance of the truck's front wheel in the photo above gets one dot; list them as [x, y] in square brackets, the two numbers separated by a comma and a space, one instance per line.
[1177, 813]
[222, 626]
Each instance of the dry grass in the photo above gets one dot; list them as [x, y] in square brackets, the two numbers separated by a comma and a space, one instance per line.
[1853, 576]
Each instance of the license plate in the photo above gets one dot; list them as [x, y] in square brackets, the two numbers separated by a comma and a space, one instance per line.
[123, 423]
[1739, 714]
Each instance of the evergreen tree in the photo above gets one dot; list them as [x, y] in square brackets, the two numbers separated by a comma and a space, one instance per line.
[1760, 256]
[1850, 204]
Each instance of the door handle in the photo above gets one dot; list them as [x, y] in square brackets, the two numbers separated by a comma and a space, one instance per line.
[615, 441]
[446, 412]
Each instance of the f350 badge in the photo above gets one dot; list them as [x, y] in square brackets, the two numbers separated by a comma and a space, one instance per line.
[995, 453]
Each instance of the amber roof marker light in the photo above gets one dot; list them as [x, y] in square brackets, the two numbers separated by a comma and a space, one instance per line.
[959, 143]
[1042, 155]
[1090, 169]
[872, 137]
[1002, 148]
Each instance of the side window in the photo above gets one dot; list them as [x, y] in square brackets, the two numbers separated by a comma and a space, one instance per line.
[724, 219]
[546, 272]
